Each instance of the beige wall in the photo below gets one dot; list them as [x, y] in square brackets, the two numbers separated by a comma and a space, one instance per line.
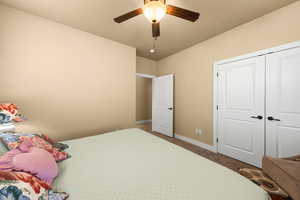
[193, 67]
[67, 82]
[145, 66]
[143, 98]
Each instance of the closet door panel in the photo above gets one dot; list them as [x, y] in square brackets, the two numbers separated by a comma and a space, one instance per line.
[283, 103]
[241, 101]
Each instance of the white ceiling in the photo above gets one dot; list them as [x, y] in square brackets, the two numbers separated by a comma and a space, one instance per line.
[96, 16]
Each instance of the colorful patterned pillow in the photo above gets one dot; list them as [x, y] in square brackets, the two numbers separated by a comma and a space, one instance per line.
[13, 140]
[3, 148]
[23, 186]
[9, 112]
[58, 145]
[41, 143]
[55, 195]
[18, 190]
[5, 118]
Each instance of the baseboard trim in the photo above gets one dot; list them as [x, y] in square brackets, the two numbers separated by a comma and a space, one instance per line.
[196, 143]
[144, 121]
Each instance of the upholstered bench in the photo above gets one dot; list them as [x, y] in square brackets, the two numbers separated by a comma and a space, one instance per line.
[285, 172]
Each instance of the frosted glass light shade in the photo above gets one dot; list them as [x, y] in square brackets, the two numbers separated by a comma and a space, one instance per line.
[154, 11]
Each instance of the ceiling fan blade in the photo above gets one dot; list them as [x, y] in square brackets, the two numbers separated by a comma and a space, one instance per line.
[129, 15]
[182, 13]
[155, 30]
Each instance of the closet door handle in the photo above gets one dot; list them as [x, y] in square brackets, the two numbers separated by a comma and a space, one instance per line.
[257, 117]
[273, 119]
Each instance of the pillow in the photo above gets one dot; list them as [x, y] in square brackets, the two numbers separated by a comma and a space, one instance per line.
[55, 195]
[41, 143]
[13, 140]
[17, 190]
[3, 148]
[10, 112]
[28, 158]
[23, 186]
[58, 145]
[5, 117]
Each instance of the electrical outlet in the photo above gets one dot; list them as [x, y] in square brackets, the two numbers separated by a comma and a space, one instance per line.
[198, 131]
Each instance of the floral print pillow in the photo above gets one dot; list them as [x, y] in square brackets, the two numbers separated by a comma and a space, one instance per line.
[13, 140]
[54, 195]
[23, 186]
[9, 113]
[58, 145]
[17, 190]
[5, 118]
[40, 143]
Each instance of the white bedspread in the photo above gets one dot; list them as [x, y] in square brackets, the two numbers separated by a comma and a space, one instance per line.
[134, 165]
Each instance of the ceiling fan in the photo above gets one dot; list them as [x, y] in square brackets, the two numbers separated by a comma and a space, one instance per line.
[155, 10]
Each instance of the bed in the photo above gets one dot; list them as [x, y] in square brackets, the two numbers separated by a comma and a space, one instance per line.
[135, 165]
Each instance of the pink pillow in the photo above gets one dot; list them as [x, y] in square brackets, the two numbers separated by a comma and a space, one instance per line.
[38, 162]
[28, 158]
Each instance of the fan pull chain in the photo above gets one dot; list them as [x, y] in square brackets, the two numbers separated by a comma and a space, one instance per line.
[154, 46]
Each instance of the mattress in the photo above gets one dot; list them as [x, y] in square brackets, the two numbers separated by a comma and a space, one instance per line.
[135, 165]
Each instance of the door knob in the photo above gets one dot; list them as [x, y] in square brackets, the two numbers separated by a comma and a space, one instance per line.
[273, 119]
[257, 117]
[170, 108]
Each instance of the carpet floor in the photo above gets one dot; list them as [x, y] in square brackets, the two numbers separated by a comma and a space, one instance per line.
[226, 161]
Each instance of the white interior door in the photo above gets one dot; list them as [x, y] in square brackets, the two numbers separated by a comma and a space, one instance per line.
[241, 102]
[283, 104]
[162, 105]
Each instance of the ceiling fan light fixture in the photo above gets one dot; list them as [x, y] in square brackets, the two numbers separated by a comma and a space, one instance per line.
[154, 11]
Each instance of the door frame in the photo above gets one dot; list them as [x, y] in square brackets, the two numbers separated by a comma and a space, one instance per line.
[145, 75]
[149, 77]
[218, 64]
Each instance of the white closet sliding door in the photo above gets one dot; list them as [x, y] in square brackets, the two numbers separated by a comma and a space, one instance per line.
[259, 107]
[241, 102]
[283, 103]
